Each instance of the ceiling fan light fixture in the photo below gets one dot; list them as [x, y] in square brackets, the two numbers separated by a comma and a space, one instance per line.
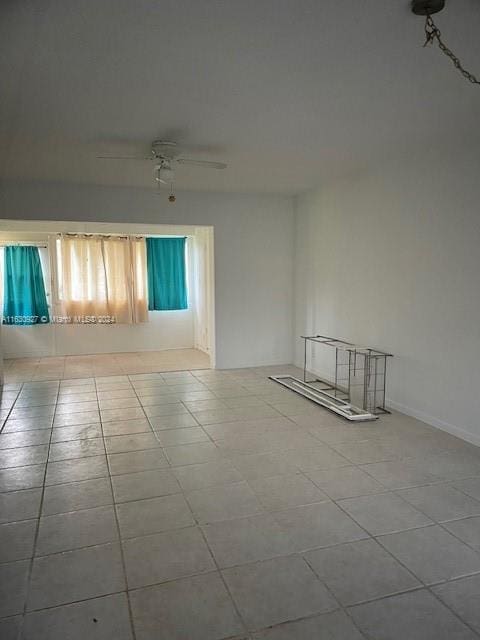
[164, 173]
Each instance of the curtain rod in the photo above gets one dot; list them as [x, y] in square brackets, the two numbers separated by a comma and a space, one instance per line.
[113, 235]
[103, 235]
[23, 244]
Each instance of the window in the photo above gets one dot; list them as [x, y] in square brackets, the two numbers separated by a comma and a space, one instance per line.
[24, 298]
[167, 286]
[101, 278]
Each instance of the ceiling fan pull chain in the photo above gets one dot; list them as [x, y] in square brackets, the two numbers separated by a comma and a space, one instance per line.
[432, 32]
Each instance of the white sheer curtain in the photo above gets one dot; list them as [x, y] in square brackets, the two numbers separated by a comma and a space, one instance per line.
[101, 276]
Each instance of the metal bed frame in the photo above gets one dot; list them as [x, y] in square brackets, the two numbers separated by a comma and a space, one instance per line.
[359, 375]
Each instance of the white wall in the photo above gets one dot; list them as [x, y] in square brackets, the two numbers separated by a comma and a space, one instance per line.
[253, 253]
[392, 260]
[165, 330]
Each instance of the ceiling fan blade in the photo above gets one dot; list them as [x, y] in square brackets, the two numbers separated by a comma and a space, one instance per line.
[125, 158]
[202, 163]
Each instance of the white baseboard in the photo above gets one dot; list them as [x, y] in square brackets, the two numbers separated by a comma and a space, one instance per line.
[252, 364]
[453, 430]
[41, 353]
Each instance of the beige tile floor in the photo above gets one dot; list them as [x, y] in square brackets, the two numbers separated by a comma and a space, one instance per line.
[205, 505]
[61, 367]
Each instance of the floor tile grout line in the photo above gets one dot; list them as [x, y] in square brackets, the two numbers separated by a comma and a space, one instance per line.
[273, 511]
[391, 491]
[214, 560]
[455, 613]
[228, 520]
[452, 483]
[61, 513]
[454, 535]
[327, 587]
[278, 452]
[61, 552]
[375, 537]
[420, 586]
[35, 540]
[152, 430]
[147, 419]
[66, 604]
[425, 586]
[243, 480]
[299, 554]
[157, 437]
[297, 472]
[438, 523]
[11, 408]
[122, 555]
[416, 528]
[162, 366]
[116, 513]
[210, 551]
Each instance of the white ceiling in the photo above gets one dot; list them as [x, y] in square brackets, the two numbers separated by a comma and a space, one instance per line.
[290, 93]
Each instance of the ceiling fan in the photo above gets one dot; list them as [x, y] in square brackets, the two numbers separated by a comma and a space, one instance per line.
[166, 155]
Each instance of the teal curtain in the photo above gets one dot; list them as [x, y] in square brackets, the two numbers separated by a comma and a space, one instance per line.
[167, 287]
[24, 299]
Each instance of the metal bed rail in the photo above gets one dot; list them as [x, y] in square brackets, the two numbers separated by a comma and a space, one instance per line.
[356, 389]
